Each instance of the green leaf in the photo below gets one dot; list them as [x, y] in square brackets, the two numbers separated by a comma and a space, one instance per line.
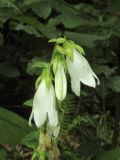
[114, 84]
[71, 18]
[114, 6]
[103, 130]
[42, 9]
[12, 127]
[6, 13]
[27, 28]
[45, 30]
[3, 154]
[89, 148]
[29, 21]
[9, 3]
[35, 66]
[31, 139]
[84, 39]
[109, 155]
[102, 88]
[73, 21]
[55, 21]
[106, 70]
[29, 2]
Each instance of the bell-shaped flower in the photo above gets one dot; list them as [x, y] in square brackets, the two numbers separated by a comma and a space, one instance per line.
[60, 82]
[44, 106]
[80, 71]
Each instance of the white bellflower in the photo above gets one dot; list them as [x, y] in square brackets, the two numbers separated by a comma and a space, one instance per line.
[60, 82]
[44, 106]
[80, 71]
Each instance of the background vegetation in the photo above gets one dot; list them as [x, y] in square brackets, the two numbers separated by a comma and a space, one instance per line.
[90, 124]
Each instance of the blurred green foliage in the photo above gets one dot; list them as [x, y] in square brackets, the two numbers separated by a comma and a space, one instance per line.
[90, 124]
[13, 127]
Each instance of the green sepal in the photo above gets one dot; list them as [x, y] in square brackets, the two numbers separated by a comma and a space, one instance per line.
[45, 75]
[55, 65]
[58, 58]
[70, 54]
[60, 49]
[48, 81]
[39, 64]
[68, 50]
[72, 43]
[48, 76]
[80, 49]
[38, 82]
[76, 46]
[65, 65]
[52, 40]
[58, 40]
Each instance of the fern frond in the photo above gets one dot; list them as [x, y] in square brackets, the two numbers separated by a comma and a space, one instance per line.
[67, 113]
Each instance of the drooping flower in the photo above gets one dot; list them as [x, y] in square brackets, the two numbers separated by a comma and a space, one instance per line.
[60, 82]
[44, 106]
[80, 71]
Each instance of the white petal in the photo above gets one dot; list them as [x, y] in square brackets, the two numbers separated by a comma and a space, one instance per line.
[53, 131]
[39, 118]
[95, 76]
[60, 83]
[75, 85]
[80, 69]
[52, 113]
[31, 117]
[40, 104]
[53, 118]
[56, 131]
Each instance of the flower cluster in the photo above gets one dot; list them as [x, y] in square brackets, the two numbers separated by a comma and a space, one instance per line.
[67, 57]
